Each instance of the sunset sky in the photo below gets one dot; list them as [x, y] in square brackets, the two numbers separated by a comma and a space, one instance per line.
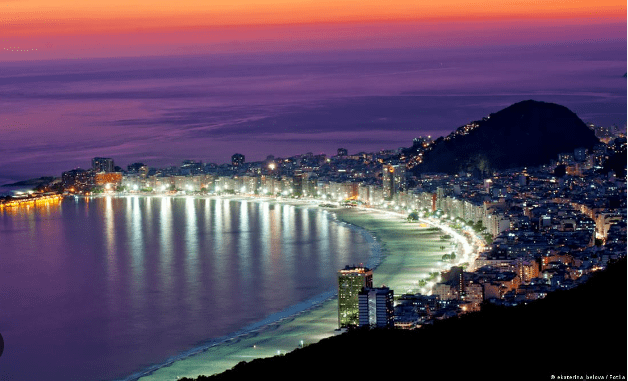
[45, 17]
[40, 29]
[161, 81]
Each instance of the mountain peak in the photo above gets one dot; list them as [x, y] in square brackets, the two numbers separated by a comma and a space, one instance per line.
[527, 133]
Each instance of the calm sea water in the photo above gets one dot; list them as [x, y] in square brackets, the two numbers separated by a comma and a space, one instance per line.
[98, 289]
[57, 115]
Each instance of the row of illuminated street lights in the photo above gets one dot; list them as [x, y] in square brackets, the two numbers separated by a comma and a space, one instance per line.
[470, 250]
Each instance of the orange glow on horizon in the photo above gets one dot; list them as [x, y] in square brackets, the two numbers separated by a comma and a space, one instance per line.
[68, 29]
[70, 17]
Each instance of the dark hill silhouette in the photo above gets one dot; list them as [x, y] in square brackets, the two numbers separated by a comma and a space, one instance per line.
[528, 133]
[577, 332]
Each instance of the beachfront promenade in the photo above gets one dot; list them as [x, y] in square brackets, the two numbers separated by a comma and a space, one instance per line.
[404, 253]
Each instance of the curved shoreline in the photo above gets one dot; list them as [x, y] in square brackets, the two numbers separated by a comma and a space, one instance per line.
[247, 332]
[288, 314]
[398, 265]
[313, 319]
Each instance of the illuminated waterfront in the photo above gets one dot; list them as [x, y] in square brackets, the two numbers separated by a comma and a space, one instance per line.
[37, 200]
[409, 251]
[133, 281]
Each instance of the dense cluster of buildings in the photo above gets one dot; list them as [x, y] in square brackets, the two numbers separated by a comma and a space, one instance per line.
[546, 228]
[545, 233]
[336, 178]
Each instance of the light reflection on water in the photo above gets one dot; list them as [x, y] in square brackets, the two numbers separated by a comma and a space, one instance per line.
[133, 281]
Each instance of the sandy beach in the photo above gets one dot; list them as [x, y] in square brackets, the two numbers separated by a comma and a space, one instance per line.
[405, 252]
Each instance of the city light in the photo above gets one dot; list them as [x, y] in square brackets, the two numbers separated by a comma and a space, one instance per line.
[36, 200]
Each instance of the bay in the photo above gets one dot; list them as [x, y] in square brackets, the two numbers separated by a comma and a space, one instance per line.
[103, 288]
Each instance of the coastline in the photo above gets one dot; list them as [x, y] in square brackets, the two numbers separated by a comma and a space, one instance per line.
[402, 253]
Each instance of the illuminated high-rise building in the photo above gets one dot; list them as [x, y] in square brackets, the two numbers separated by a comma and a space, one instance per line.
[376, 308]
[455, 278]
[351, 281]
[297, 182]
[393, 179]
[102, 164]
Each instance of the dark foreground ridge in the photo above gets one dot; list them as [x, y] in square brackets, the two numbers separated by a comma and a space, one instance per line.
[572, 334]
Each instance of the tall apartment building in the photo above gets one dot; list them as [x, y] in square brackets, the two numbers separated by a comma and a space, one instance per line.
[376, 308]
[351, 281]
[393, 179]
[452, 285]
[102, 164]
[297, 182]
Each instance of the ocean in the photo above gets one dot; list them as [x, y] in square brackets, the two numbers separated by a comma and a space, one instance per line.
[105, 288]
[57, 115]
